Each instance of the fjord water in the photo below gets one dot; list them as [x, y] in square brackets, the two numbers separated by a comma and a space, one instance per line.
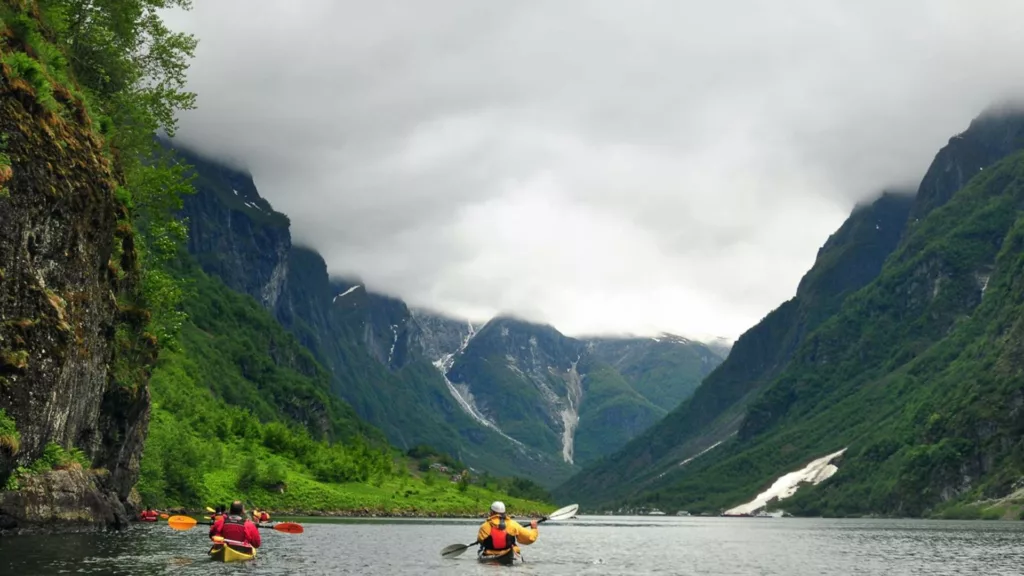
[589, 545]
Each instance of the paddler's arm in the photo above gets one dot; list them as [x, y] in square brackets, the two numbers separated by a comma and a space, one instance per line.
[484, 532]
[216, 527]
[523, 534]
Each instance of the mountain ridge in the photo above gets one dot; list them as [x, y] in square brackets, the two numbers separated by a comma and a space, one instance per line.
[404, 369]
[721, 455]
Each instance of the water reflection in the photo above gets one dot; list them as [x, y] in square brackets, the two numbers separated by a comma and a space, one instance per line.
[589, 545]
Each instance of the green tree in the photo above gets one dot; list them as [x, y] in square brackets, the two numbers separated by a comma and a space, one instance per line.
[249, 473]
[276, 474]
[132, 69]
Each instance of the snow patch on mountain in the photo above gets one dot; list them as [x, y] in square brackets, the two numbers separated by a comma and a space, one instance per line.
[697, 455]
[460, 392]
[347, 292]
[394, 342]
[814, 473]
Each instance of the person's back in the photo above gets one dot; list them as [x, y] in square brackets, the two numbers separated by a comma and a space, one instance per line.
[236, 527]
[500, 533]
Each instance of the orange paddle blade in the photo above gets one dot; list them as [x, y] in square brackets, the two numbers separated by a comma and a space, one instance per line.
[289, 527]
[181, 522]
[164, 516]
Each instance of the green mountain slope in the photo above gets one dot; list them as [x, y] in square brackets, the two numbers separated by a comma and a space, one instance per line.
[665, 370]
[522, 376]
[370, 345]
[918, 376]
[244, 410]
[851, 259]
[504, 398]
[802, 379]
[848, 260]
[612, 411]
[576, 399]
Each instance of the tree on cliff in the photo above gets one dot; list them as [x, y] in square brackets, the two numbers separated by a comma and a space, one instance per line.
[132, 67]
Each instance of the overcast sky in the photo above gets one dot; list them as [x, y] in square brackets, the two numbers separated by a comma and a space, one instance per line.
[605, 166]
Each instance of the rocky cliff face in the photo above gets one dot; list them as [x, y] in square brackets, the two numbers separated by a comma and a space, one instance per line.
[234, 233]
[993, 135]
[436, 336]
[66, 254]
[578, 400]
[524, 379]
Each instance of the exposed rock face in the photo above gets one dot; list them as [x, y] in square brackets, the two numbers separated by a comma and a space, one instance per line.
[70, 499]
[234, 233]
[578, 400]
[993, 135]
[434, 335]
[59, 314]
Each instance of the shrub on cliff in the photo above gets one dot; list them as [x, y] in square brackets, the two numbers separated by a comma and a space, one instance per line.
[9, 438]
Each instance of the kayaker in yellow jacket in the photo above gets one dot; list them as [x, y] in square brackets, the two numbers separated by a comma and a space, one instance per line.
[499, 533]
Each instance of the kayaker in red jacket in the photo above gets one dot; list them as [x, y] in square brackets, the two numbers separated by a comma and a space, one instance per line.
[236, 527]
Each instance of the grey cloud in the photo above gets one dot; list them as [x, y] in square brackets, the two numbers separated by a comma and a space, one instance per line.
[601, 165]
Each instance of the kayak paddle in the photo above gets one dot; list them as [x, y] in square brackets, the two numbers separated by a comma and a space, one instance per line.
[188, 523]
[561, 514]
[211, 510]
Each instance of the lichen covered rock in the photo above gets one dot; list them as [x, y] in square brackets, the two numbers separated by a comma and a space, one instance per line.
[73, 498]
[60, 225]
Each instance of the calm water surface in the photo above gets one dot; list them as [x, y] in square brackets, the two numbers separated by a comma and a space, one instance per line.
[589, 545]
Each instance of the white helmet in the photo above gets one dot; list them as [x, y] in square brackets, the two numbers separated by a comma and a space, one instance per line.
[498, 506]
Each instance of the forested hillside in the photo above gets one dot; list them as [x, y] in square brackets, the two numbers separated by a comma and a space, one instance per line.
[913, 372]
[502, 397]
[243, 410]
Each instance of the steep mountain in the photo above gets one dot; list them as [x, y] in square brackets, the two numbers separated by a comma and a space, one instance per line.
[993, 135]
[849, 259]
[373, 346]
[580, 399]
[242, 409]
[665, 369]
[507, 397]
[884, 350]
[523, 377]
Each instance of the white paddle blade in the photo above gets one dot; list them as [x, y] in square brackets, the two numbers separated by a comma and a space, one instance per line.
[564, 513]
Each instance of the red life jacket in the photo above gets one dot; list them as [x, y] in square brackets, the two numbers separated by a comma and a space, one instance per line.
[234, 529]
[499, 538]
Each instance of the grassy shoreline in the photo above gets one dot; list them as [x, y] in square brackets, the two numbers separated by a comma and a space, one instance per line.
[398, 497]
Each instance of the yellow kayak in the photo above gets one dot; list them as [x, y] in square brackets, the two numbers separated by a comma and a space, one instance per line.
[505, 558]
[224, 552]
